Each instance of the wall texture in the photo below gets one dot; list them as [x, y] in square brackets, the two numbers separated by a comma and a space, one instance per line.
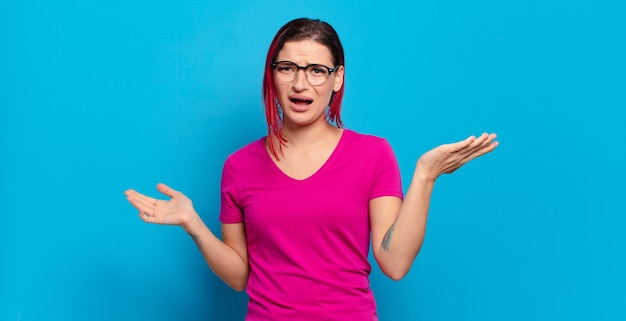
[100, 96]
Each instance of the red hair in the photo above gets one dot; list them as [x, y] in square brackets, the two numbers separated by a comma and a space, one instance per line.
[298, 29]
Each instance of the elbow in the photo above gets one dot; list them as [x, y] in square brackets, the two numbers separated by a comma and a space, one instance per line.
[396, 263]
[397, 274]
[238, 286]
[237, 283]
[395, 271]
[396, 277]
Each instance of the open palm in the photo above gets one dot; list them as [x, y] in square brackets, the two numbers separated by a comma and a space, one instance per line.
[447, 158]
[178, 210]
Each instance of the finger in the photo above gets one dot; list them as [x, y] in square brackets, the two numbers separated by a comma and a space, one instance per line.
[487, 144]
[148, 218]
[458, 146]
[489, 138]
[489, 148]
[166, 190]
[479, 151]
[141, 202]
[134, 201]
[481, 142]
[154, 217]
[138, 196]
[467, 145]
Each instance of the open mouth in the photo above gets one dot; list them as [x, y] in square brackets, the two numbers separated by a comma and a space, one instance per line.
[298, 101]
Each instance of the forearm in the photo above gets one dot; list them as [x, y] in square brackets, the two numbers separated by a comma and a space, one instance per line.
[223, 260]
[404, 238]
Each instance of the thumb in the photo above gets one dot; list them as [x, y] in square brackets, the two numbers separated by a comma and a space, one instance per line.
[463, 144]
[166, 190]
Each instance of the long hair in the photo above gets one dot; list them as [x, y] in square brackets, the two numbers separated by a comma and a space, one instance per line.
[295, 30]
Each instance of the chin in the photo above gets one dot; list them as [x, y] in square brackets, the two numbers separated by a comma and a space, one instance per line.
[304, 120]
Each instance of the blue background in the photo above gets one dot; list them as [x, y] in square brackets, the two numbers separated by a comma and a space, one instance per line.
[100, 96]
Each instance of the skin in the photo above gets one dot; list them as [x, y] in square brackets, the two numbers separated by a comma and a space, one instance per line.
[310, 138]
[228, 258]
[398, 227]
[304, 53]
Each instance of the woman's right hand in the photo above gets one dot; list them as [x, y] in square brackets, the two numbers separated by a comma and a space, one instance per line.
[178, 210]
[228, 258]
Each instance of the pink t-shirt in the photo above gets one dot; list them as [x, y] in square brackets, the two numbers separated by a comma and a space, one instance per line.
[308, 240]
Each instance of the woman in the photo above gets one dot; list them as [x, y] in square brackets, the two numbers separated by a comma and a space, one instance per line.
[298, 206]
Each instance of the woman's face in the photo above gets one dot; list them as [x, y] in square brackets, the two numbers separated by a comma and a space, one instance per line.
[303, 104]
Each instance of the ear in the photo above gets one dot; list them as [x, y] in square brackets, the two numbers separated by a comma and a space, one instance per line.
[338, 78]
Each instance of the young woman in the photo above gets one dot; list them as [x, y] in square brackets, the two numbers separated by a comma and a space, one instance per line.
[299, 205]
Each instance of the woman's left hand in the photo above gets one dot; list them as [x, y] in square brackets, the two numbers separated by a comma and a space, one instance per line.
[447, 158]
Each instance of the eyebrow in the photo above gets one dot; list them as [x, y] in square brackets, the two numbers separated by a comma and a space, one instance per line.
[307, 64]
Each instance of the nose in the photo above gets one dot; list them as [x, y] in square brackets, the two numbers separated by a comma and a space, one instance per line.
[300, 83]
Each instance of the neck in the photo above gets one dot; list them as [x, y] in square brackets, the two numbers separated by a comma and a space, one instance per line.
[310, 135]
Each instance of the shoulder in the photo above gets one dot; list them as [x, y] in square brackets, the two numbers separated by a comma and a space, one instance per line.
[252, 152]
[365, 142]
[368, 150]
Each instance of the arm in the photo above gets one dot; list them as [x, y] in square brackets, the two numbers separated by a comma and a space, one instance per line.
[398, 227]
[228, 258]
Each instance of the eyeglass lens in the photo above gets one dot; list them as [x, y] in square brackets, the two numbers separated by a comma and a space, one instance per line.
[288, 71]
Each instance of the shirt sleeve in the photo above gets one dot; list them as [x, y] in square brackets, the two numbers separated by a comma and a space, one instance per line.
[230, 211]
[387, 179]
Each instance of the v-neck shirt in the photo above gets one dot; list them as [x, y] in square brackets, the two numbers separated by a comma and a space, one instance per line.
[308, 240]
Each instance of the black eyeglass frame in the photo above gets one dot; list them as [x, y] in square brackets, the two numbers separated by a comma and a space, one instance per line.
[330, 70]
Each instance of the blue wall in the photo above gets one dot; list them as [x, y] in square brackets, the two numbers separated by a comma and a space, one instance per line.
[100, 96]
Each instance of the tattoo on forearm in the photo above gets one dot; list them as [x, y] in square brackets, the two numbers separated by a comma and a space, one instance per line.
[387, 237]
[196, 239]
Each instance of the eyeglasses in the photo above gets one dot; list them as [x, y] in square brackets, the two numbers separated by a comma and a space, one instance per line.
[316, 74]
